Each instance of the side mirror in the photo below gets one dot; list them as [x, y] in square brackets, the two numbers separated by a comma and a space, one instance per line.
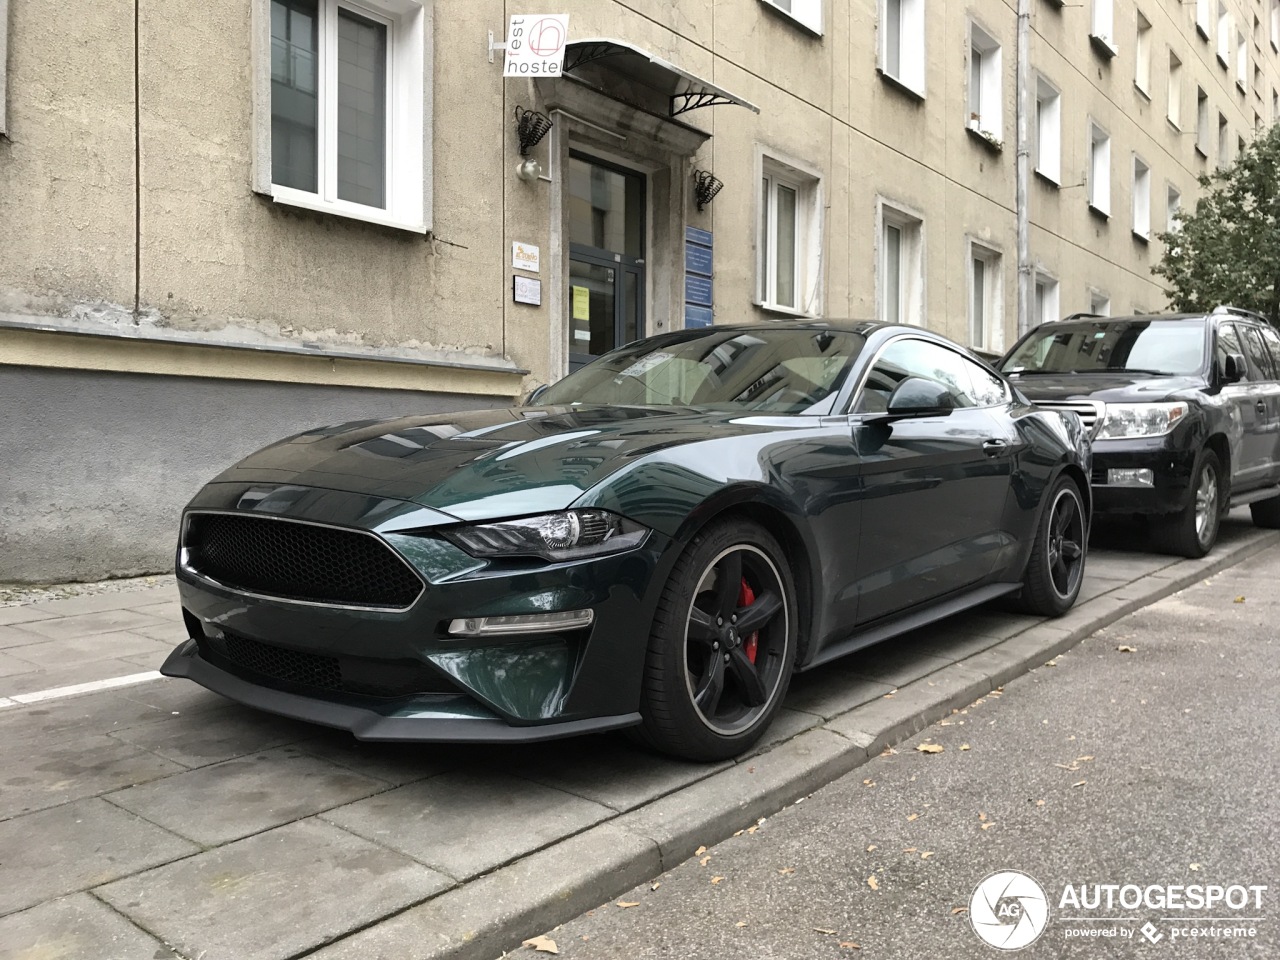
[534, 395]
[1233, 368]
[918, 397]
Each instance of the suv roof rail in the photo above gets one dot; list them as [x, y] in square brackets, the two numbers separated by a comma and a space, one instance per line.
[1228, 308]
[1085, 315]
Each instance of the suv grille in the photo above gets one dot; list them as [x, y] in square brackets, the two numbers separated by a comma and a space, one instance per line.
[299, 561]
[1090, 411]
[297, 668]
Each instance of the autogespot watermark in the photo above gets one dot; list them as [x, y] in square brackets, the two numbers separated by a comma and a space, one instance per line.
[1009, 910]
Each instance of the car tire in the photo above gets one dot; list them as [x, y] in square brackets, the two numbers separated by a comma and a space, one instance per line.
[1192, 531]
[1055, 570]
[1266, 513]
[711, 690]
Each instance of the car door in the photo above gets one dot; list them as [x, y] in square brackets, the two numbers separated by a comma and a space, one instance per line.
[1271, 343]
[1249, 400]
[934, 487]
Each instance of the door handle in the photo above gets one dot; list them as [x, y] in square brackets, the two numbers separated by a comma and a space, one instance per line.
[993, 448]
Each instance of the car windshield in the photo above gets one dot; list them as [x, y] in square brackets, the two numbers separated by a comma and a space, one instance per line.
[766, 370]
[1173, 347]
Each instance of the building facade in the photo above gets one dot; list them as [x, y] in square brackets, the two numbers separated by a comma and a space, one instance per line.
[228, 221]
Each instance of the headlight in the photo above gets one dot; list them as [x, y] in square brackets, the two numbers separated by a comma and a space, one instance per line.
[1140, 419]
[570, 535]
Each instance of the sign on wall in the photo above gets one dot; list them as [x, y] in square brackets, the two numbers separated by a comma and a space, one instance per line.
[525, 256]
[535, 44]
[699, 262]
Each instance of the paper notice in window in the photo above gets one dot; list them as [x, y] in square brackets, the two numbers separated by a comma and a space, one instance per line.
[581, 303]
[645, 364]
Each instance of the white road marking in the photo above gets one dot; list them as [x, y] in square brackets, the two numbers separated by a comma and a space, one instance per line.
[57, 693]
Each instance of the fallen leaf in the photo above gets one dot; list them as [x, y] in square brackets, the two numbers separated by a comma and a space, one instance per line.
[1238, 600]
[964, 746]
[786, 871]
[700, 851]
[986, 826]
[888, 696]
[1039, 803]
[624, 904]
[981, 815]
[910, 849]
[1051, 663]
[870, 848]
[912, 816]
[1068, 766]
[849, 945]
[888, 752]
[868, 783]
[741, 923]
[1125, 648]
[704, 861]
[1195, 866]
[716, 880]
[824, 931]
[955, 911]
[926, 855]
[737, 833]
[1080, 783]
[873, 883]
[542, 944]
[752, 829]
[929, 747]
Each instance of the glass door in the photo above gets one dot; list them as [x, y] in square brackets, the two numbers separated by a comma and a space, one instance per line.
[606, 257]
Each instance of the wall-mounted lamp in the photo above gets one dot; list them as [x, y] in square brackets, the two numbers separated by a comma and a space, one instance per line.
[531, 127]
[705, 187]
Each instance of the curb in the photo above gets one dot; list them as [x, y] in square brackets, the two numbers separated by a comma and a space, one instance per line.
[496, 912]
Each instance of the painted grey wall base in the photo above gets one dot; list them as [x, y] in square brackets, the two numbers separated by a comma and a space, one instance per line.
[96, 467]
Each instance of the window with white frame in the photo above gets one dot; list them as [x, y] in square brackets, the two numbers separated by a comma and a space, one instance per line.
[900, 267]
[902, 43]
[1099, 169]
[348, 104]
[1242, 62]
[1099, 303]
[1045, 307]
[1175, 90]
[1142, 55]
[985, 297]
[1141, 198]
[1224, 34]
[986, 98]
[1224, 142]
[1173, 206]
[1203, 14]
[1275, 105]
[789, 237]
[1048, 141]
[1202, 122]
[4, 64]
[1102, 28]
[806, 12]
[1275, 24]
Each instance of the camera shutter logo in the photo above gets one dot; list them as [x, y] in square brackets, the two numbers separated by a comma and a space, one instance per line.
[1009, 910]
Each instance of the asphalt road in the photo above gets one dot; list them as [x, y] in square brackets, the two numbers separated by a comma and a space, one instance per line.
[1157, 766]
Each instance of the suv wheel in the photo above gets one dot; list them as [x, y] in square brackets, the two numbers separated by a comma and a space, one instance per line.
[1193, 531]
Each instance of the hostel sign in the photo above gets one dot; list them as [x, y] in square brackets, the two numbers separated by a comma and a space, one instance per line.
[535, 45]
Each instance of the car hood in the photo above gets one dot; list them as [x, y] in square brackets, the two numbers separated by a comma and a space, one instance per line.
[1107, 387]
[487, 463]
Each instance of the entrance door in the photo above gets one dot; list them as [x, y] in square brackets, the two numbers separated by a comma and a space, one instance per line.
[606, 257]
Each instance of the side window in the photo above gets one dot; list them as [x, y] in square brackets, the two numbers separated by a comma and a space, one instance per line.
[988, 389]
[914, 358]
[1229, 342]
[1259, 359]
[1272, 341]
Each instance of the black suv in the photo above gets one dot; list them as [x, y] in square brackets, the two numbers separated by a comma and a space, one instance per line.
[1183, 409]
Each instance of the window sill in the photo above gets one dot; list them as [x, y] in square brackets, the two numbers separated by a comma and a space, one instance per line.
[1174, 124]
[807, 27]
[901, 85]
[1203, 153]
[788, 312]
[1141, 92]
[1048, 180]
[1143, 238]
[1099, 212]
[1203, 31]
[986, 137]
[308, 201]
[1240, 85]
[1222, 62]
[1103, 46]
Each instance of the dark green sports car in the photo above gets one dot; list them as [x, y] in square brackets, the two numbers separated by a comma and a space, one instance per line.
[656, 543]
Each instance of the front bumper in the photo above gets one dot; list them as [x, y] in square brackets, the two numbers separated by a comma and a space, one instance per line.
[1170, 461]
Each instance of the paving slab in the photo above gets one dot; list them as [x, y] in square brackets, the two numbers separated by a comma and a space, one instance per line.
[51, 654]
[910, 709]
[217, 732]
[833, 688]
[65, 676]
[16, 635]
[87, 624]
[462, 824]
[71, 848]
[22, 613]
[253, 794]
[247, 901]
[78, 927]
[395, 763]
[532, 894]
[72, 770]
[11, 665]
[109, 600]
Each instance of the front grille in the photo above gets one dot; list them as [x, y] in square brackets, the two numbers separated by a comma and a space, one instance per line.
[1090, 411]
[296, 668]
[299, 561]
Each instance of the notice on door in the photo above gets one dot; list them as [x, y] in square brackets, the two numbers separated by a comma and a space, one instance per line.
[581, 303]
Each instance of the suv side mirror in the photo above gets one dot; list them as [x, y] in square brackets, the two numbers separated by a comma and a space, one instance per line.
[919, 397]
[1233, 368]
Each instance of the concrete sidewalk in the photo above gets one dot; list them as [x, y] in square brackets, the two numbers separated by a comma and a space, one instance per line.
[156, 819]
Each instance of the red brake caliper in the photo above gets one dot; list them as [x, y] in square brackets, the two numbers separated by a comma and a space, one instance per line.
[746, 597]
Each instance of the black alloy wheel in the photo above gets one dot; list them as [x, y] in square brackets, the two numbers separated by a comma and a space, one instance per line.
[723, 645]
[1056, 568]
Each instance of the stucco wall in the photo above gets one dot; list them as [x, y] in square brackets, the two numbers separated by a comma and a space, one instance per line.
[97, 466]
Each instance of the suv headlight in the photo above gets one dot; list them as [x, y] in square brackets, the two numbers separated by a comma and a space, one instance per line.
[1140, 419]
[569, 535]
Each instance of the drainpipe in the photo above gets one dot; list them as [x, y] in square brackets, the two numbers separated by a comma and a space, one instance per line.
[1022, 172]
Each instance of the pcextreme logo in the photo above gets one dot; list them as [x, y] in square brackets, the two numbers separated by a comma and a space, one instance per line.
[1009, 910]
